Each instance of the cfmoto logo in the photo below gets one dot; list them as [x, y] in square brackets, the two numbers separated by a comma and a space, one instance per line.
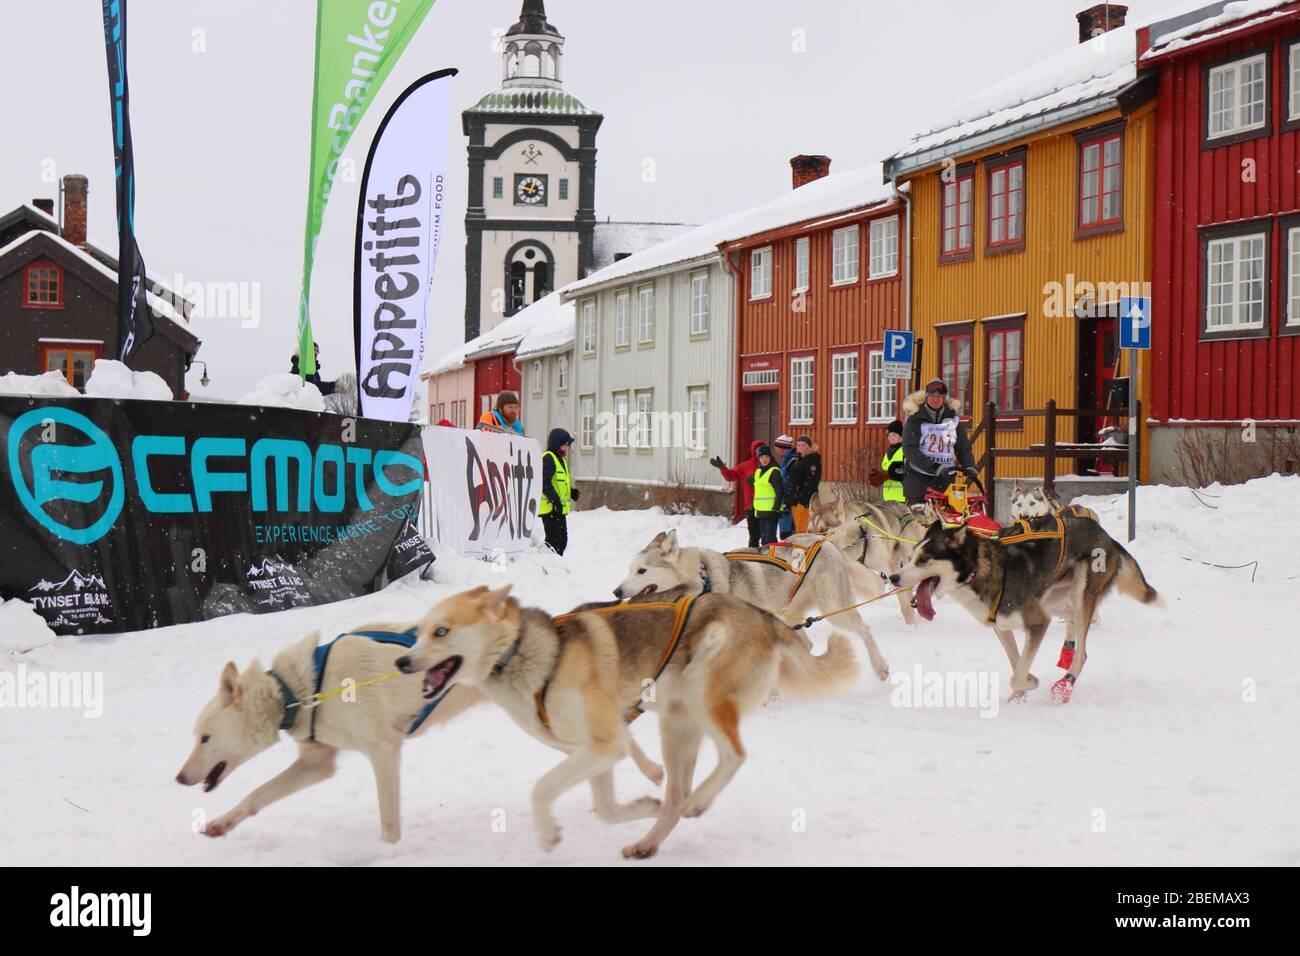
[49, 459]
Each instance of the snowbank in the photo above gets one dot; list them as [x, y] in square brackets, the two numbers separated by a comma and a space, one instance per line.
[110, 379]
[21, 628]
[286, 390]
[51, 383]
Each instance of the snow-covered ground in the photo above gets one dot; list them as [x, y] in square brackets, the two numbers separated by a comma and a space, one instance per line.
[1178, 748]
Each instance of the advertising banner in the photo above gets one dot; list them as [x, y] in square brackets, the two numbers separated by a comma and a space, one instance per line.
[485, 488]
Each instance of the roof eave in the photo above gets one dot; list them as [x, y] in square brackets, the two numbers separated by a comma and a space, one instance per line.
[652, 273]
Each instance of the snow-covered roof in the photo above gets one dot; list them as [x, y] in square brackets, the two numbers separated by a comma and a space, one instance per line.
[500, 338]
[840, 192]
[1196, 22]
[531, 99]
[550, 328]
[611, 238]
[1074, 83]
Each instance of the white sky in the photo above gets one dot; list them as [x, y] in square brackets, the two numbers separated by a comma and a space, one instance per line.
[711, 90]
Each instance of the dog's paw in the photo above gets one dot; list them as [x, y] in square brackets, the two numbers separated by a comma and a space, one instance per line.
[390, 834]
[1031, 682]
[640, 851]
[645, 807]
[221, 825]
[548, 837]
[1017, 697]
[694, 807]
[882, 671]
[1062, 690]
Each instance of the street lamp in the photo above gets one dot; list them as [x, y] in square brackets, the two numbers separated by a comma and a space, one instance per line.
[203, 380]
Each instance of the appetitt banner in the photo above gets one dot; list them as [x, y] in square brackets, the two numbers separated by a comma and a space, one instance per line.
[399, 228]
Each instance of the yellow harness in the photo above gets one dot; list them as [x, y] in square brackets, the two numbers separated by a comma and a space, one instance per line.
[682, 607]
[771, 558]
[1021, 531]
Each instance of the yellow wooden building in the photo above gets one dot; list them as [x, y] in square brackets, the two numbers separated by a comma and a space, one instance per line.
[1030, 215]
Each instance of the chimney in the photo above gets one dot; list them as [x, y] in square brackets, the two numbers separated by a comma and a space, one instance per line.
[75, 187]
[804, 169]
[45, 205]
[1099, 19]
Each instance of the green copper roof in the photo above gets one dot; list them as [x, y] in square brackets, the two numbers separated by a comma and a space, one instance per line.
[531, 100]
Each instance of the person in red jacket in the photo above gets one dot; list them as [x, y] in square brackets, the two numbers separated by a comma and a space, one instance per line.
[741, 475]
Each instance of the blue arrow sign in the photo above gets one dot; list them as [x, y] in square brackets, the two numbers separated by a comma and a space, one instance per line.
[1134, 323]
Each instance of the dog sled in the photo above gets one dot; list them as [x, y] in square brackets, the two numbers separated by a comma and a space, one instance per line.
[958, 505]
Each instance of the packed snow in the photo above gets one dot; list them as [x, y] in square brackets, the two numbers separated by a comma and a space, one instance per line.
[110, 379]
[286, 390]
[1177, 749]
[50, 383]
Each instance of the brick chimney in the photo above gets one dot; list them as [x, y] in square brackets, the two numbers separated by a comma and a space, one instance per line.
[75, 187]
[804, 169]
[1099, 19]
[45, 205]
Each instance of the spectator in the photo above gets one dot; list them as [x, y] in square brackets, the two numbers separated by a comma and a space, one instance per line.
[805, 476]
[785, 447]
[505, 417]
[892, 463]
[557, 490]
[741, 475]
[769, 492]
[326, 388]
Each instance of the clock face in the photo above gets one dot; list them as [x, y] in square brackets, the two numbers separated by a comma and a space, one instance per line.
[530, 190]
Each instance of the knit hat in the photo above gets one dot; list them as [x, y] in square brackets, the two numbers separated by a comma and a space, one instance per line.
[506, 398]
[896, 427]
[761, 451]
[784, 441]
[936, 385]
[806, 439]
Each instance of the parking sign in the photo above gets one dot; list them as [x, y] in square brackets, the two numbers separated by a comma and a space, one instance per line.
[1134, 323]
[899, 346]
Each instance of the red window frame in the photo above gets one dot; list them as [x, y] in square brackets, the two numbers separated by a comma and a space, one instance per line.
[1002, 396]
[43, 264]
[956, 251]
[950, 372]
[95, 349]
[1007, 241]
[1100, 141]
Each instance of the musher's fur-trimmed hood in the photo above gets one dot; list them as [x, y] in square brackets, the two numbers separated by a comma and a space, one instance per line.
[912, 404]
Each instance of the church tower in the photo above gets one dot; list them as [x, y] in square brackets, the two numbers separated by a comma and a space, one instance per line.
[531, 213]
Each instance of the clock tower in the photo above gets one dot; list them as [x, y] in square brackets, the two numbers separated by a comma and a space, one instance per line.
[531, 215]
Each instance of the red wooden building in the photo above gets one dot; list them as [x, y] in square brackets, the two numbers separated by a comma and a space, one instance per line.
[1226, 271]
[814, 298]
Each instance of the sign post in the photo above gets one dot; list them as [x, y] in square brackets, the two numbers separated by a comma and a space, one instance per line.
[1134, 335]
[897, 362]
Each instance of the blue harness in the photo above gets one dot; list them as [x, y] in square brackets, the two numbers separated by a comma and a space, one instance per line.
[401, 638]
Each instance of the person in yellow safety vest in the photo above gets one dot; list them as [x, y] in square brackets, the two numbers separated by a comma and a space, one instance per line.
[892, 464]
[558, 492]
[769, 492]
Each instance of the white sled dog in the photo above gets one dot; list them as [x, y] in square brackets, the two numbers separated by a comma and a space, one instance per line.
[250, 709]
[828, 583]
[574, 682]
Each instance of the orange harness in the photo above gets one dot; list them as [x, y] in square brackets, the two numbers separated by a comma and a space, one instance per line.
[771, 558]
[682, 611]
[1022, 531]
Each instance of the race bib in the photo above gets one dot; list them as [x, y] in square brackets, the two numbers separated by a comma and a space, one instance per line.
[939, 440]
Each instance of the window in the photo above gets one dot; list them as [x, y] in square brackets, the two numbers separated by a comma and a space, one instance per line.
[587, 422]
[562, 374]
[884, 248]
[1235, 279]
[43, 286]
[1293, 83]
[498, 187]
[699, 303]
[641, 431]
[959, 215]
[697, 423]
[1237, 97]
[622, 320]
[801, 264]
[760, 273]
[564, 189]
[955, 365]
[1007, 205]
[1100, 180]
[801, 390]
[844, 388]
[589, 327]
[1293, 277]
[1005, 368]
[442, 411]
[844, 256]
[73, 359]
[645, 327]
[881, 392]
[620, 419]
[537, 378]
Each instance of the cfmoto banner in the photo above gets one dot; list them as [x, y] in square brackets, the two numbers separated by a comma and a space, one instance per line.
[116, 516]
[399, 227]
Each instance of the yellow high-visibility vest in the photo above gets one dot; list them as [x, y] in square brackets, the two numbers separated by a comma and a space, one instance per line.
[560, 482]
[892, 490]
[764, 492]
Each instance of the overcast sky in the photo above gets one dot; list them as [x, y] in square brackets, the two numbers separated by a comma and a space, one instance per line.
[715, 93]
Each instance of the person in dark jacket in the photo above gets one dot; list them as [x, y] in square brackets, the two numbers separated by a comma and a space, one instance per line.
[741, 475]
[805, 476]
[784, 446]
[557, 490]
[326, 388]
[935, 441]
[769, 492]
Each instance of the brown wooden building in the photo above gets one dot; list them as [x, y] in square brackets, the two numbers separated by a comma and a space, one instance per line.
[58, 299]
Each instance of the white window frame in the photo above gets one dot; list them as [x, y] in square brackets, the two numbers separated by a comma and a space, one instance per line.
[1293, 85]
[700, 302]
[644, 418]
[802, 389]
[881, 392]
[760, 274]
[802, 253]
[1234, 110]
[645, 315]
[884, 248]
[845, 255]
[622, 319]
[587, 422]
[537, 378]
[1293, 273]
[589, 327]
[562, 374]
[697, 419]
[844, 387]
[622, 402]
[1237, 305]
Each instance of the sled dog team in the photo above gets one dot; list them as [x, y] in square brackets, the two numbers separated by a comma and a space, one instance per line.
[699, 637]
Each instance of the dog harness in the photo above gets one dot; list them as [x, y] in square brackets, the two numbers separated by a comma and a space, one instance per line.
[771, 558]
[1024, 530]
[682, 612]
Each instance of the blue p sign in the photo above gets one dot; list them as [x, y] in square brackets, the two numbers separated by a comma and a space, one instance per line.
[1134, 322]
[898, 346]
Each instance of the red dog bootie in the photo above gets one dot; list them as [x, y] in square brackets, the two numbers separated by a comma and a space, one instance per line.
[1063, 688]
[1067, 656]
